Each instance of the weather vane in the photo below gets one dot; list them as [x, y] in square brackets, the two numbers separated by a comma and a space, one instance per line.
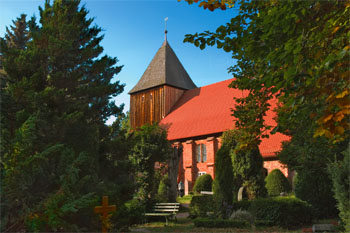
[165, 20]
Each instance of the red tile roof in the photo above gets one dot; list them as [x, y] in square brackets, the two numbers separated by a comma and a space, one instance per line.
[207, 110]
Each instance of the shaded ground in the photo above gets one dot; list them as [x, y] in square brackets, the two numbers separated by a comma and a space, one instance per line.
[185, 224]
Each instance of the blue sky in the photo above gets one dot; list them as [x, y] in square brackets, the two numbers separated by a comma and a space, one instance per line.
[134, 31]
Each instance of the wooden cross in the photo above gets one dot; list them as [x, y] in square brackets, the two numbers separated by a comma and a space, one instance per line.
[104, 210]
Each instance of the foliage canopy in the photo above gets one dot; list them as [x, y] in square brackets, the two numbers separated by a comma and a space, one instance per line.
[56, 93]
[296, 51]
[150, 145]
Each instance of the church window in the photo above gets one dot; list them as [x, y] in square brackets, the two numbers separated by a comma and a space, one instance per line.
[204, 152]
[143, 98]
[201, 173]
[201, 153]
[198, 153]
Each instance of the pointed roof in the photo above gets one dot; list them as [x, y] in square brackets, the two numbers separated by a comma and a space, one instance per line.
[164, 69]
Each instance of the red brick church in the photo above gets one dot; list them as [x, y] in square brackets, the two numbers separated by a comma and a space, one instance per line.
[194, 117]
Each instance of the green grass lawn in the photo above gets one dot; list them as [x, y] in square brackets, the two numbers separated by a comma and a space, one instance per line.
[185, 199]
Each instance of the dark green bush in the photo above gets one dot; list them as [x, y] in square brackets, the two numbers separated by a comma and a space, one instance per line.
[224, 185]
[276, 183]
[162, 195]
[264, 223]
[132, 212]
[340, 174]
[219, 223]
[203, 183]
[315, 187]
[200, 205]
[248, 168]
[243, 205]
[287, 212]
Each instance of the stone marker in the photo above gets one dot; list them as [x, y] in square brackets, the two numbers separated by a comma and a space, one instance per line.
[322, 228]
[207, 192]
[240, 194]
[187, 186]
[104, 210]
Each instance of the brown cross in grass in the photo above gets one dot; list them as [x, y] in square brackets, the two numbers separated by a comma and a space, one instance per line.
[104, 210]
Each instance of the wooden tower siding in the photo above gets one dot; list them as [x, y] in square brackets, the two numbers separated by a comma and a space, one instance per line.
[152, 105]
[172, 95]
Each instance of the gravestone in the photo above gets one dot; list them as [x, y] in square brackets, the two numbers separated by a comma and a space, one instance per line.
[187, 185]
[323, 228]
[241, 194]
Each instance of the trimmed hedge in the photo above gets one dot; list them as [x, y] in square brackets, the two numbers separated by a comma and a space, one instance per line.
[264, 223]
[286, 212]
[162, 195]
[276, 183]
[220, 223]
[203, 183]
[243, 205]
[340, 174]
[200, 205]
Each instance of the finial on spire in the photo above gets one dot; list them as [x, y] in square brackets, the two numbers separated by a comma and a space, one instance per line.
[166, 32]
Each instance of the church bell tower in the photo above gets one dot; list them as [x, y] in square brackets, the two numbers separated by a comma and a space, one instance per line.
[159, 88]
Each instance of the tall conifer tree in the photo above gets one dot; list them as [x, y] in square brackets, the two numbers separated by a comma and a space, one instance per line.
[62, 85]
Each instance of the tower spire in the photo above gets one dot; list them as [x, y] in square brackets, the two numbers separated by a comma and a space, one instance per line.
[166, 32]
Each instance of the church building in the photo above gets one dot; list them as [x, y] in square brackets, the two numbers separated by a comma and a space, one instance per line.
[194, 117]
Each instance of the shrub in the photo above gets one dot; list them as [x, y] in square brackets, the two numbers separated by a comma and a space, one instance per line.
[287, 212]
[264, 223]
[219, 223]
[127, 215]
[200, 205]
[312, 183]
[162, 195]
[243, 205]
[248, 167]
[223, 184]
[276, 183]
[203, 183]
[340, 173]
[242, 215]
[315, 187]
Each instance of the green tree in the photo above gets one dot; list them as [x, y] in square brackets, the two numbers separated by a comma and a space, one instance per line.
[150, 145]
[18, 35]
[16, 38]
[203, 183]
[163, 189]
[340, 174]
[276, 183]
[225, 186]
[309, 157]
[61, 86]
[296, 51]
[248, 168]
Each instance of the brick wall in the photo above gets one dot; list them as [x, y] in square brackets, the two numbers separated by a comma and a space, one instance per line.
[270, 165]
[189, 167]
